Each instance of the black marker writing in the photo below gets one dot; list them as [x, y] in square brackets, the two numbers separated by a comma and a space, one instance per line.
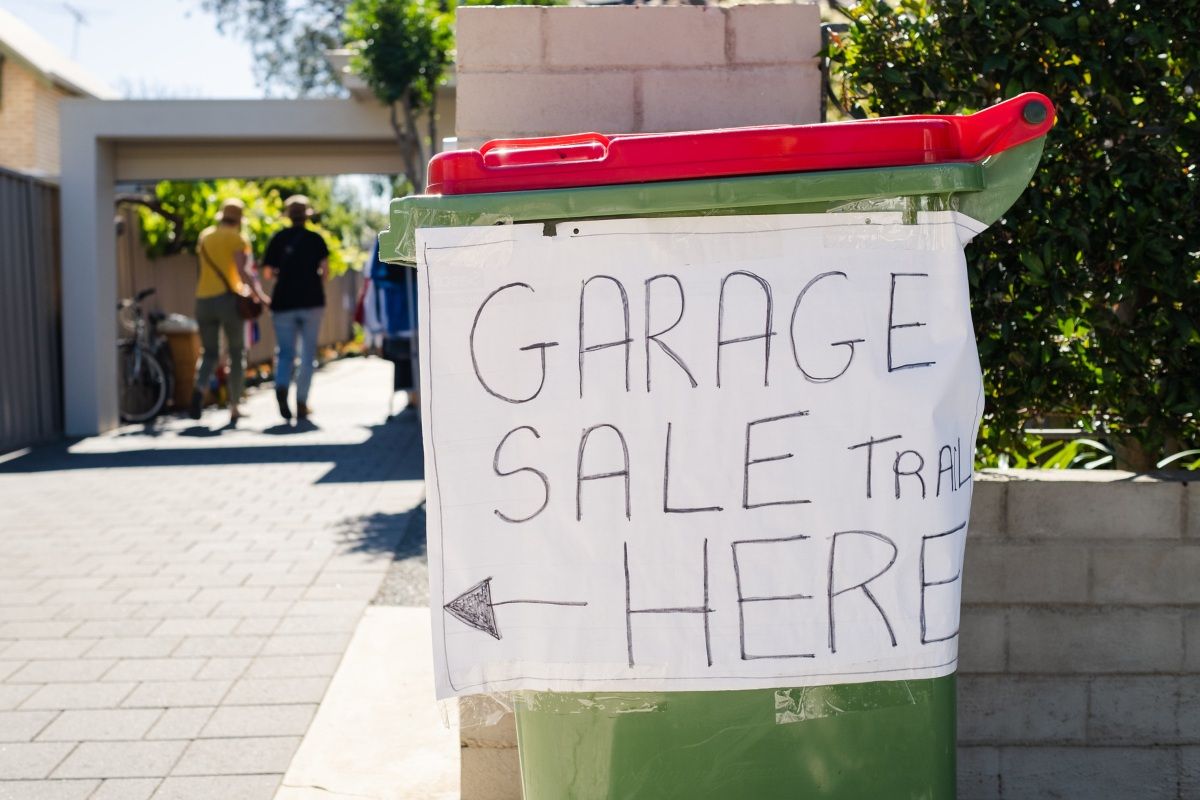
[892, 326]
[925, 584]
[915, 471]
[742, 599]
[539, 346]
[626, 342]
[476, 608]
[849, 343]
[864, 585]
[701, 609]
[765, 335]
[541, 475]
[870, 445]
[654, 337]
[961, 480]
[945, 466]
[667, 509]
[748, 462]
[580, 477]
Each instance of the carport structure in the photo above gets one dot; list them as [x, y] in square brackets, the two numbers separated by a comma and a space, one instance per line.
[109, 142]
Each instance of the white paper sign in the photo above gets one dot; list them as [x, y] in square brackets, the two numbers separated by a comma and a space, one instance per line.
[697, 453]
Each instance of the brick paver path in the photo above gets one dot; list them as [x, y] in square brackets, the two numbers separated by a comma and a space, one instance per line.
[172, 606]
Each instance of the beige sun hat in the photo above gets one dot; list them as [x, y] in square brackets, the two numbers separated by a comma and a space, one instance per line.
[298, 200]
[229, 204]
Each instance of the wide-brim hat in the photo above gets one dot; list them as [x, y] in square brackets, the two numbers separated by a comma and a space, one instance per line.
[231, 202]
[298, 200]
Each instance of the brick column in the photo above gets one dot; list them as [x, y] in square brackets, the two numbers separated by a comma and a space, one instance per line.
[529, 71]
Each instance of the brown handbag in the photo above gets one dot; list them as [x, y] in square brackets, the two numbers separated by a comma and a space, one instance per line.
[248, 305]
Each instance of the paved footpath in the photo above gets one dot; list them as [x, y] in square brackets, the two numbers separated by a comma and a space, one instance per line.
[174, 604]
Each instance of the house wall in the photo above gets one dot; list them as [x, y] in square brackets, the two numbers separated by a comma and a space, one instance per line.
[45, 127]
[16, 115]
[534, 71]
[28, 119]
[1080, 652]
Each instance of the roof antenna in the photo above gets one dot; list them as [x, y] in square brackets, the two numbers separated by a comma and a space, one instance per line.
[80, 19]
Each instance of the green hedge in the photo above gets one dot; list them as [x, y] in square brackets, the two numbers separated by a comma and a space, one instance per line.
[1087, 295]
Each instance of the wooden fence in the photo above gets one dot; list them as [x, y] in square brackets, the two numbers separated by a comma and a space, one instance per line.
[31, 408]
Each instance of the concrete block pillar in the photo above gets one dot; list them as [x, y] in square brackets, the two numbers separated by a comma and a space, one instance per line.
[530, 71]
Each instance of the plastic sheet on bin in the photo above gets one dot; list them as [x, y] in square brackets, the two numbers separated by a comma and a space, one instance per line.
[486, 710]
[791, 705]
[807, 703]
[887, 739]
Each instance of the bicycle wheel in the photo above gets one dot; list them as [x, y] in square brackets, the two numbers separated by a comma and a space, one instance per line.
[142, 383]
[162, 353]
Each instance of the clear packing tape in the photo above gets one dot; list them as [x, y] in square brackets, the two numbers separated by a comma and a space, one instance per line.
[786, 706]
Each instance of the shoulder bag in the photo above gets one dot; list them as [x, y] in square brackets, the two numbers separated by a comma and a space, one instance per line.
[248, 305]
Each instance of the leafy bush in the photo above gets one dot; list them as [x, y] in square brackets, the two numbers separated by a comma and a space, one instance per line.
[197, 204]
[1087, 295]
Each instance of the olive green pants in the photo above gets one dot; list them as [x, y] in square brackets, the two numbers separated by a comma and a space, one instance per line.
[215, 314]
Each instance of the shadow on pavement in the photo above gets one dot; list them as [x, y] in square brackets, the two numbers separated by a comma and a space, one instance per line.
[391, 452]
[407, 580]
[402, 533]
[197, 431]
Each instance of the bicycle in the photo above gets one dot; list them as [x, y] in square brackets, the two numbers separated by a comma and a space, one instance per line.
[146, 370]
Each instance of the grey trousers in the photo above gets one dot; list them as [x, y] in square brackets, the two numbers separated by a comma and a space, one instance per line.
[215, 314]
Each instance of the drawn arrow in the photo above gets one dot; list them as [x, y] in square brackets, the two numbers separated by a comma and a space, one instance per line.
[476, 608]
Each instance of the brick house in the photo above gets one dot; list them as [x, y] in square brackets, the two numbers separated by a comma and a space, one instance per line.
[34, 77]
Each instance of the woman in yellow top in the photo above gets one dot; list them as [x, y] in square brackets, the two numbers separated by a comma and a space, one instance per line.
[224, 255]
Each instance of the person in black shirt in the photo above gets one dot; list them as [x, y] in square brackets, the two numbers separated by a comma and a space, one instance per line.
[298, 259]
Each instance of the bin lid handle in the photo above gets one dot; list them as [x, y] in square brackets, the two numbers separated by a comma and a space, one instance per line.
[545, 150]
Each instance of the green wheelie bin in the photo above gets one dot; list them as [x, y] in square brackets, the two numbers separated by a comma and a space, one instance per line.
[880, 739]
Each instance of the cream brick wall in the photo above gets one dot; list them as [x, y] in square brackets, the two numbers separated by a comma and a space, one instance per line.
[526, 71]
[28, 120]
[45, 128]
[17, 88]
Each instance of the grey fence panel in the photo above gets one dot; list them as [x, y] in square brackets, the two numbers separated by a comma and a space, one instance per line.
[30, 342]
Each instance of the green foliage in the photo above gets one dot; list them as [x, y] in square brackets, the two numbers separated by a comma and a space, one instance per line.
[1087, 295]
[1059, 454]
[403, 47]
[197, 203]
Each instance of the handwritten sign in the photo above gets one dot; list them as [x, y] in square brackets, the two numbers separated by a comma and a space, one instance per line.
[697, 453]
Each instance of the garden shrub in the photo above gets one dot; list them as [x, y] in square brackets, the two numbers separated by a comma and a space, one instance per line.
[1087, 294]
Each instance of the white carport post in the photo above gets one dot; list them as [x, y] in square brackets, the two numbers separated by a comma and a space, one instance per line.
[89, 279]
[104, 141]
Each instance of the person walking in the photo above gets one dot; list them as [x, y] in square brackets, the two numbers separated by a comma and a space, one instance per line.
[224, 256]
[299, 260]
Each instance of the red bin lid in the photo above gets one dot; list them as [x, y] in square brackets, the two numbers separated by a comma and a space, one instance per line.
[593, 159]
